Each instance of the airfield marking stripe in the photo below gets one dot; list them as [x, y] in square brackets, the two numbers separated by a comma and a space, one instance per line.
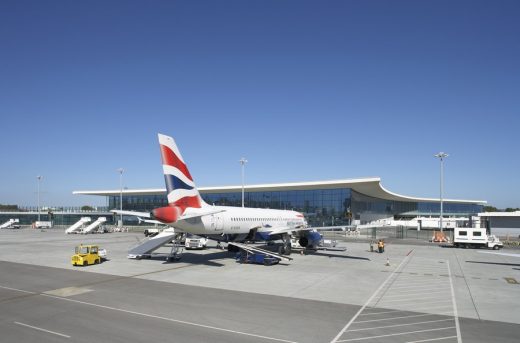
[415, 300]
[335, 339]
[415, 286]
[421, 278]
[168, 319]
[443, 310]
[433, 339]
[41, 329]
[18, 290]
[406, 282]
[400, 295]
[392, 318]
[396, 334]
[373, 313]
[455, 313]
[396, 325]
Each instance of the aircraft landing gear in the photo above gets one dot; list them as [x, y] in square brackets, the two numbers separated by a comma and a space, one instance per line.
[285, 248]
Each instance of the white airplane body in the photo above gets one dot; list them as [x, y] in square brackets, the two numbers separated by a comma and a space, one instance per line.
[188, 212]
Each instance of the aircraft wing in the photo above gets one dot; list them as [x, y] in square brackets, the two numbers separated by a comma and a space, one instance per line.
[500, 253]
[132, 213]
[151, 221]
[287, 229]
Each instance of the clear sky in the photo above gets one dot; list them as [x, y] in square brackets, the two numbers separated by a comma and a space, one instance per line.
[305, 90]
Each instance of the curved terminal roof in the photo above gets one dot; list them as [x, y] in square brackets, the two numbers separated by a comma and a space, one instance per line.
[368, 186]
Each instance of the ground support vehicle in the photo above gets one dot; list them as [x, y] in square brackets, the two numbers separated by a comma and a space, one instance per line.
[195, 242]
[42, 225]
[151, 232]
[255, 258]
[11, 224]
[86, 255]
[475, 238]
[103, 254]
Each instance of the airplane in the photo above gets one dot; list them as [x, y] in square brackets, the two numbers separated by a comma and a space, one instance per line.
[188, 212]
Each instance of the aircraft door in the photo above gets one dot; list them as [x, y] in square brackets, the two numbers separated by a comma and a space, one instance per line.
[216, 223]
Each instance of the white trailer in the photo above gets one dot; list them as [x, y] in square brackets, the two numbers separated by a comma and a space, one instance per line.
[42, 224]
[467, 237]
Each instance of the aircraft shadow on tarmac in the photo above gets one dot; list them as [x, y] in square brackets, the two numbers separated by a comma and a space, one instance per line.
[320, 253]
[195, 258]
[211, 259]
[496, 263]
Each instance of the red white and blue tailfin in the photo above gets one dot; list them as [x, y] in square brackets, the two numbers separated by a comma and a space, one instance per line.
[180, 187]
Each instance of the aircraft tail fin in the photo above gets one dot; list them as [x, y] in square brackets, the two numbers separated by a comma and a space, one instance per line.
[180, 188]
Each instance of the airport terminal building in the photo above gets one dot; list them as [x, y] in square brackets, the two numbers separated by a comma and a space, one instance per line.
[324, 203]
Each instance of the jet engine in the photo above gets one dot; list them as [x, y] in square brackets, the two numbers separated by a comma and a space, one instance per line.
[310, 239]
[168, 214]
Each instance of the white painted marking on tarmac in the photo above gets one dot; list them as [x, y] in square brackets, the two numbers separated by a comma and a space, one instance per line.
[168, 319]
[18, 290]
[455, 313]
[391, 318]
[418, 300]
[432, 339]
[68, 291]
[411, 295]
[373, 313]
[396, 334]
[335, 339]
[396, 325]
[428, 286]
[40, 329]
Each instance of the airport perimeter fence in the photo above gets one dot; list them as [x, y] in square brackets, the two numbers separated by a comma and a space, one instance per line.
[386, 232]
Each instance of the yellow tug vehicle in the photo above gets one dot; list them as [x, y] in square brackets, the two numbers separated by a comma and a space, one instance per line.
[85, 255]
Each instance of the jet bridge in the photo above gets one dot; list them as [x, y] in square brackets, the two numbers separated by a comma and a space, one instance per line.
[152, 244]
[76, 227]
[94, 225]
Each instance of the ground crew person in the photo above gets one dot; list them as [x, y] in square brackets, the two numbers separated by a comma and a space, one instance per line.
[381, 246]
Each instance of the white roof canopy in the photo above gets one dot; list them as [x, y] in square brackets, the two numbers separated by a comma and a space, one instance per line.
[367, 186]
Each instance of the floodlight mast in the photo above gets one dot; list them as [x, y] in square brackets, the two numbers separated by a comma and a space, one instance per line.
[441, 156]
[243, 161]
[39, 177]
[121, 171]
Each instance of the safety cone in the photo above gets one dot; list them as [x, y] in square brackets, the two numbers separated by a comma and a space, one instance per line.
[387, 262]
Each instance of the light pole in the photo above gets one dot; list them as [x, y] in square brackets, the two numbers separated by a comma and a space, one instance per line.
[441, 155]
[243, 161]
[121, 171]
[39, 177]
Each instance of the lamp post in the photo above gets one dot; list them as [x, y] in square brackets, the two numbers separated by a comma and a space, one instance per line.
[121, 171]
[243, 161]
[39, 177]
[441, 156]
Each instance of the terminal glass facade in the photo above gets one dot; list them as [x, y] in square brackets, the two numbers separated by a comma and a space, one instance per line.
[321, 207]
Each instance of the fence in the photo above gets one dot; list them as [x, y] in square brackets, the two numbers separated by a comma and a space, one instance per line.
[386, 232]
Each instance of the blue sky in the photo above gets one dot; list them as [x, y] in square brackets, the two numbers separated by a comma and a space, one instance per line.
[305, 90]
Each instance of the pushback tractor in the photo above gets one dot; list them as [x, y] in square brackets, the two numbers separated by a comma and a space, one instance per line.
[85, 255]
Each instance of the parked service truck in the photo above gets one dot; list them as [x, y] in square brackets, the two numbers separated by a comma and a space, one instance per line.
[467, 237]
[195, 242]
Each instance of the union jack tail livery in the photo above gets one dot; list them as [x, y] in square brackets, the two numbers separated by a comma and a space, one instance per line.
[180, 187]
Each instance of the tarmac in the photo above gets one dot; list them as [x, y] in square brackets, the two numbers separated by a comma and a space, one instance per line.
[410, 293]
